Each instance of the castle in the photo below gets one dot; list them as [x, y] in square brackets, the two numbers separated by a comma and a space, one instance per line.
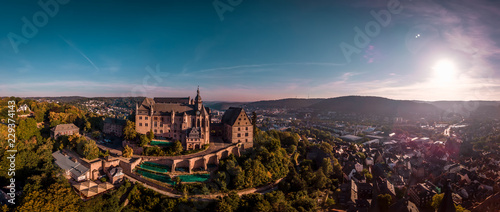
[183, 119]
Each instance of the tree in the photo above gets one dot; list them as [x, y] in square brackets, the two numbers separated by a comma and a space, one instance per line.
[327, 167]
[177, 147]
[177, 181]
[96, 134]
[87, 126]
[129, 131]
[127, 151]
[223, 206]
[57, 197]
[90, 150]
[144, 140]
[27, 129]
[436, 200]
[384, 201]
[369, 177]
[151, 135]
[320, 180]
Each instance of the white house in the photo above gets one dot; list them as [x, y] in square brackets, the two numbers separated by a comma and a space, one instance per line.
[23, 108]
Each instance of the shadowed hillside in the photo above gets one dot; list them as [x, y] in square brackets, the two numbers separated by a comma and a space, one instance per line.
[376, 105]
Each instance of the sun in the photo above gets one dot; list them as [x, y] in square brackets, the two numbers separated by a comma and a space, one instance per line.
[444, 71]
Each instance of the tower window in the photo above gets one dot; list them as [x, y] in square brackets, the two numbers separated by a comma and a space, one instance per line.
[146, 124]
[140, 117]
[140, 124]
[146, 117]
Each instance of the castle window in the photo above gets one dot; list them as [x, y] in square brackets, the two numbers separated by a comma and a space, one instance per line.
[155, 131]
[161, 131]
[156, 118]
[146, 124]
[239, 135]
[239, 119]
[239, 129]
[146, 117]
[246, 128]
[140, 124]
[246, 134]
[156, 124]
[140, 117]
[246, 140]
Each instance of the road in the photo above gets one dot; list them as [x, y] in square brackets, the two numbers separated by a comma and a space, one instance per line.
[112, 151]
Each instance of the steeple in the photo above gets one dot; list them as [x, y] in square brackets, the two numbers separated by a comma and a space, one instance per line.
[198, 102]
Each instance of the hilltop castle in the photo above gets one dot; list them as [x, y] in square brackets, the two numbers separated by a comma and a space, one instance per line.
[183, 119]
[188, 121]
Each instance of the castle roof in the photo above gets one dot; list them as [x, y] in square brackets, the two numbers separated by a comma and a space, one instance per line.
[165, 106]
[231, 115]
[64, 127]
[179, 100]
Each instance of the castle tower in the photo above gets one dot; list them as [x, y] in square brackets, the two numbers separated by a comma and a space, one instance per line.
[198, 100]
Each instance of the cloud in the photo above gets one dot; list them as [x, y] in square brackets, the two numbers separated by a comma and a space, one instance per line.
[80, 52]
[266, 65]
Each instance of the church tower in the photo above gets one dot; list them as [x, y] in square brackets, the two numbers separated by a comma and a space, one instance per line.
[197, 100]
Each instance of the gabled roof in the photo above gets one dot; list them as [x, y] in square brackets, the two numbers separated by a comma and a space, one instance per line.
[67, 164]
[115, 121]
[182, 100]
[148, 102]
[231, 115]
[63, 127]
[169, 107]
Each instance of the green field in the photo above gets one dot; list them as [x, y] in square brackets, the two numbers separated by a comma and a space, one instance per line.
[161, 143]
[166, 179]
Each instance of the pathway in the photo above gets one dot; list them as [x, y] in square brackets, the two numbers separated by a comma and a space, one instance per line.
[261, 190]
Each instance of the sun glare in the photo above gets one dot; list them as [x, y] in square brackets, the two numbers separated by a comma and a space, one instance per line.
[444, 71]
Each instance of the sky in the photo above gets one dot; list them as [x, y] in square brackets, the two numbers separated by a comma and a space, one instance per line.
[249, 50]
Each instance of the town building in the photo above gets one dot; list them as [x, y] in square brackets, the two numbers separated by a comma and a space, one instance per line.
[63, 129]
[421, 194]
[24, 108]
[71, 166]
[114, 126]
[183, 119]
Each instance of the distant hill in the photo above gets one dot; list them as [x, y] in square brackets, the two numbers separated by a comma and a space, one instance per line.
[223, 105]
[376, 105]
[291, 103]
[458, 106]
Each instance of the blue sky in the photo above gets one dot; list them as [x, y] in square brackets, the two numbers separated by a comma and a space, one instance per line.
[428, 50]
